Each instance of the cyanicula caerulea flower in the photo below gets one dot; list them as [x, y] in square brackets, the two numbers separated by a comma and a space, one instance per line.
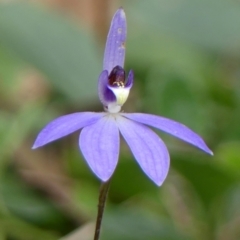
[99, 139]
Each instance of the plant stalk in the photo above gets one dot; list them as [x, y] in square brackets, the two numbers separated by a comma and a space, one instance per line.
[101, 204]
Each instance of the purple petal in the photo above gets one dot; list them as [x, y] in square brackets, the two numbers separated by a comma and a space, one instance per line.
[65, 125]
[105, 94]
[115, 46]
[169, 126]
[99, 143]
[148, 149]
[130, 78]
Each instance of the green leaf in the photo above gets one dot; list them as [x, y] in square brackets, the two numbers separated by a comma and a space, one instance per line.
[62, 51]
[207, 23]
[15, 127]
[134, 225]
[169, 94]
[10, 67]
[28, 204]
[15, 228]
[207, 179]
[227, 155]
[129, 180]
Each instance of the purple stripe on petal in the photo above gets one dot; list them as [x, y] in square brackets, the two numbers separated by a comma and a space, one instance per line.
[115, 46]
[65, 125]
[148, 149]
[169, 126]
[99, 144]
[130, 79]
[105, 94]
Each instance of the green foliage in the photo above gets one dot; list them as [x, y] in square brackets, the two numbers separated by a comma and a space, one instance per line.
[65, 53]
[119, 225]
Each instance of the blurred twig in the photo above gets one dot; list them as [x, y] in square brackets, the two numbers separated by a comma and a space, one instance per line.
[41, 172]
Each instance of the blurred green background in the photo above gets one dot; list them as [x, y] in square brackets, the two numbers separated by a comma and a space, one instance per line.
[186, 59]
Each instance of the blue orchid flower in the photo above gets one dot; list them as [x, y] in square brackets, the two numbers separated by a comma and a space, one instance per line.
[99, 139]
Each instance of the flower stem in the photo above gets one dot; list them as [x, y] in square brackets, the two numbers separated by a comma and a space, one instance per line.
[101, 204]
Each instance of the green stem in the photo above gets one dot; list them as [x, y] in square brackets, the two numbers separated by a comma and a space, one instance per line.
[101, 204]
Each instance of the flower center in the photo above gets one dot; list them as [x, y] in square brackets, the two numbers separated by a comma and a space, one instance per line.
[117, 77]
[117, 84]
